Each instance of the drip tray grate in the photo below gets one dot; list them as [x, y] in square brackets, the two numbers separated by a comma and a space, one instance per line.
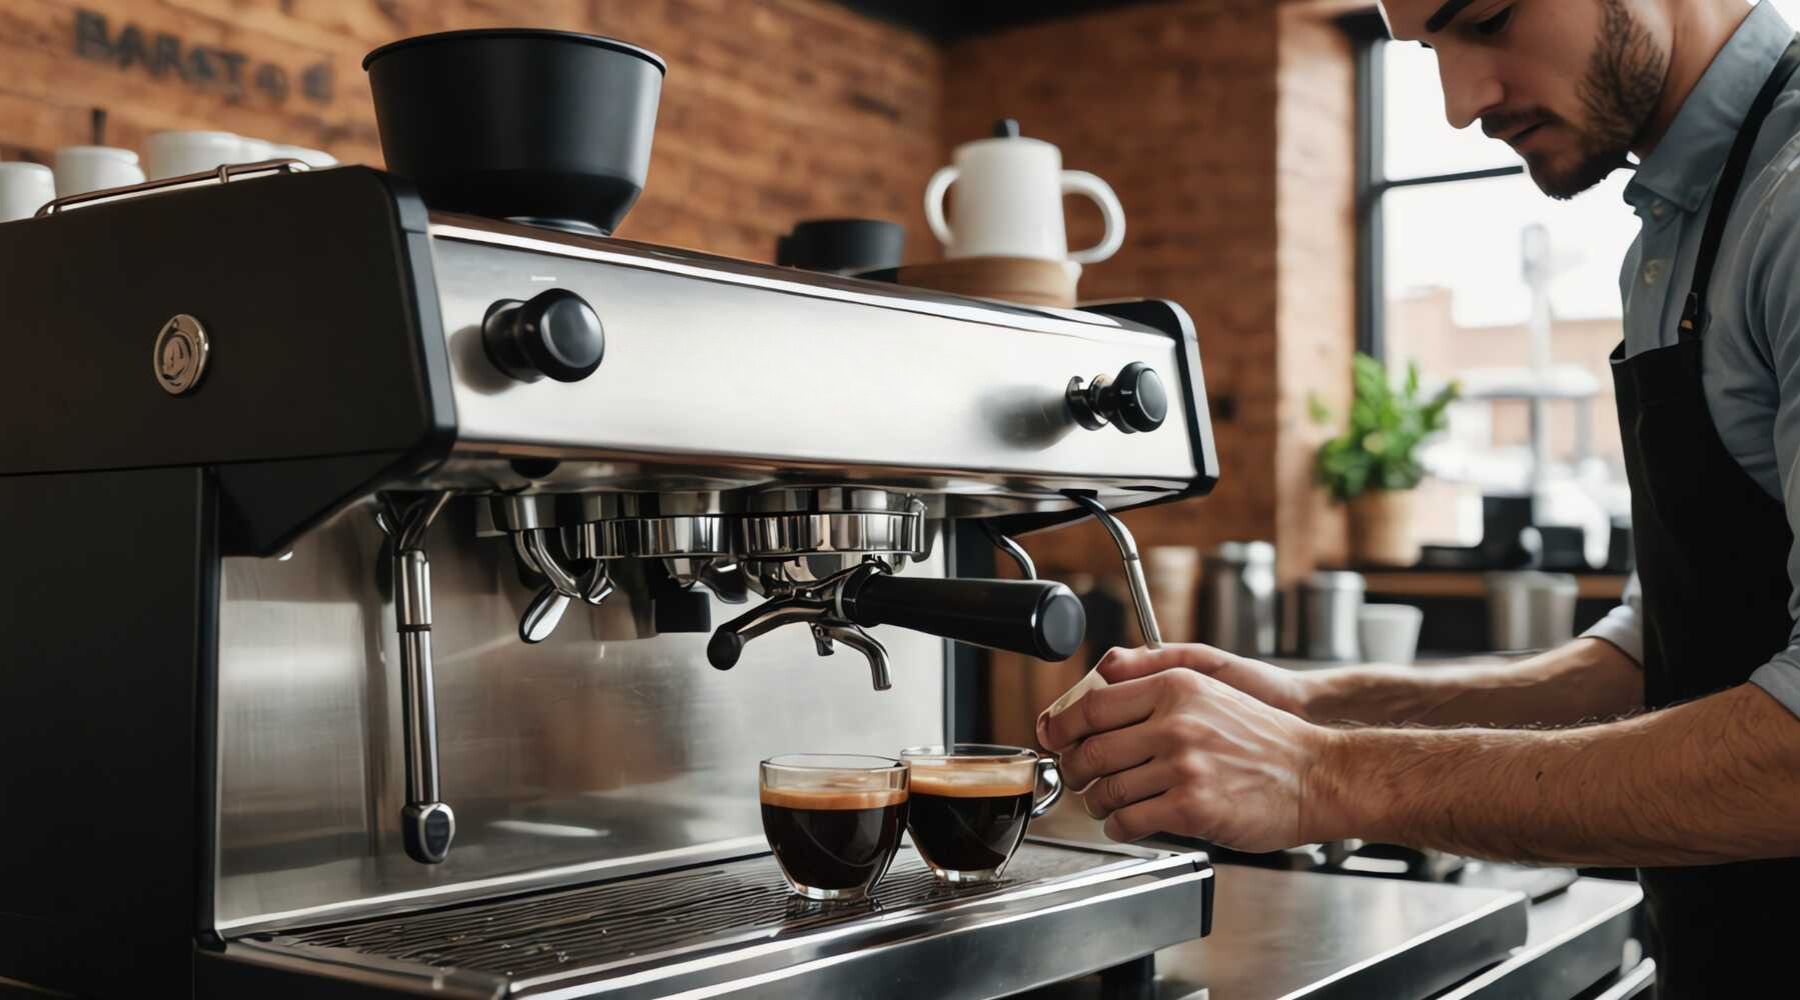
[634, 920]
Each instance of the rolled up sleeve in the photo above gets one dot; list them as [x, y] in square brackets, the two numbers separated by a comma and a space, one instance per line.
[1772, 307]
[1623, 626]
[1780, 677]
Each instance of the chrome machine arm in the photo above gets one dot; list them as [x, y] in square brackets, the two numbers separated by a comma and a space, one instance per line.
[426, 822]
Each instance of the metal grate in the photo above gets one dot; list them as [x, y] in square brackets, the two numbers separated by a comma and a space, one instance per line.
[639, 917]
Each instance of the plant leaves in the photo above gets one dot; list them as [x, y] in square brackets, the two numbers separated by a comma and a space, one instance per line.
[1319, 412]
[1378, 447]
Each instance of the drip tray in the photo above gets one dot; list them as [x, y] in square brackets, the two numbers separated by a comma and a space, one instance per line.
[733, 929]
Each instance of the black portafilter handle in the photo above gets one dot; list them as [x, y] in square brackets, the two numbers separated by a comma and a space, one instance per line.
[1040, 618]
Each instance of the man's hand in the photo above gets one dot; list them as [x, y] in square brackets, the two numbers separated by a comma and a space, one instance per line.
[1580, 681]
[1271, 685]
[1170, 746]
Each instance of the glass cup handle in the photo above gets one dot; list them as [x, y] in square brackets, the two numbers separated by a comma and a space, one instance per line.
[1047, 774]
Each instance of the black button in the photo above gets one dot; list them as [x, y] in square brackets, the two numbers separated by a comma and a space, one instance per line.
[554, 334]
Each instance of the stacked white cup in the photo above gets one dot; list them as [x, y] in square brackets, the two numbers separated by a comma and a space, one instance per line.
[80, 169]
[175, 154]
[24, 188]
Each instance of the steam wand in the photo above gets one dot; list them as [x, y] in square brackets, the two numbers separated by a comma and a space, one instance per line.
[1006, 544]
[1134, 566]
[427, 823]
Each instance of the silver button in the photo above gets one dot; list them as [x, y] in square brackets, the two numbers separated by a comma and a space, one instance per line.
[1653, 271]
[180, 355]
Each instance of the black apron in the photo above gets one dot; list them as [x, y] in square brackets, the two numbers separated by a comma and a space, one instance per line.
[1712, 550]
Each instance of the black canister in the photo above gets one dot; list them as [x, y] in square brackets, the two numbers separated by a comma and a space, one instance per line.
[548, 127]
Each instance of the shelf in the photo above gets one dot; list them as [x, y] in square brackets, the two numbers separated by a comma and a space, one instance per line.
[1469, 583]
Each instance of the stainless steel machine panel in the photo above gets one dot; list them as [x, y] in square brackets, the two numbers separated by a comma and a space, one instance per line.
[733, 370]
[599, 751]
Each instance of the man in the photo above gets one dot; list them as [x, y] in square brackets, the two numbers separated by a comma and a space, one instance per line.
[1702, 790]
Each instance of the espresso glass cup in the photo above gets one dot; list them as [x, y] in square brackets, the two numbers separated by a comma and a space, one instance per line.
[833, 821]
[970, 802]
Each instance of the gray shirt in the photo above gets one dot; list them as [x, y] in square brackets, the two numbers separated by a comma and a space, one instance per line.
[1750, 356]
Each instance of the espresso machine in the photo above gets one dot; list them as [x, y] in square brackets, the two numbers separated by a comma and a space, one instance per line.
[398, 600]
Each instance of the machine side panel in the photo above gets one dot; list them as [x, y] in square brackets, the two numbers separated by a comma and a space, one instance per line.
[105, 646]
[316, 295]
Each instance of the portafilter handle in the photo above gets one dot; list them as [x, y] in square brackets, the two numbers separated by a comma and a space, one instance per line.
[1134, 566]
[1036, 617]
[1040, 618]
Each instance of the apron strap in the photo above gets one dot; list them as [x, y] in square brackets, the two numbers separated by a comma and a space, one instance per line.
[1730, 180]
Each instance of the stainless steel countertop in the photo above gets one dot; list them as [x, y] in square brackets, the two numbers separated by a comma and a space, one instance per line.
[1576, 938]
[1289, 934]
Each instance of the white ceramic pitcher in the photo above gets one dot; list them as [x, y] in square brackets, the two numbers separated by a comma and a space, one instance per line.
[1009, 191]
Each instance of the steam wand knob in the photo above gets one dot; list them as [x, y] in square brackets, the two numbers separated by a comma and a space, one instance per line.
[1133, 401]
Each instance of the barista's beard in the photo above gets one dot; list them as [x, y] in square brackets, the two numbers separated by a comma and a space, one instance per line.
[1619, 93]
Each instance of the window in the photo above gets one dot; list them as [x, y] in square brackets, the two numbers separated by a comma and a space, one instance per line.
[1471, 272]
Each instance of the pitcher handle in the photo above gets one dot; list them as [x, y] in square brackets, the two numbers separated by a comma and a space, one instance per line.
[1082, 182]
[935, 189]
[1048, 774]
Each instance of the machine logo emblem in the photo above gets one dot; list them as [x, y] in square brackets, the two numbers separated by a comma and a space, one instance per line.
[180, 356]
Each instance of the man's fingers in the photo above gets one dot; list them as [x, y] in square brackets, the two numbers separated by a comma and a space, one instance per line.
[1128, 664]
[1161, 814]
[1102, 754]
[1107, 708]
[1122, 788]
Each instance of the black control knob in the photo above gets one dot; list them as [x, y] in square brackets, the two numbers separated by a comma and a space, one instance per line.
[555, 334]
[1133, 401]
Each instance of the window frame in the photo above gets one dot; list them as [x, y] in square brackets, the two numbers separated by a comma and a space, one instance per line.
[1369, 34]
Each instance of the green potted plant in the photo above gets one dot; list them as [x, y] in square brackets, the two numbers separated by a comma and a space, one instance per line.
[1373, 465]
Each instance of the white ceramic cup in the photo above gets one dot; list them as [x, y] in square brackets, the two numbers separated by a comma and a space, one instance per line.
[311, 157]
[175, 154]
[80, 169]
[1008, 203]
[1389, 632]
[254, 150]
[24, 188]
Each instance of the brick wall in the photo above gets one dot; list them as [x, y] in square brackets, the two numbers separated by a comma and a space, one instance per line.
[1315, 232]
[1227, 129]
[773, 110]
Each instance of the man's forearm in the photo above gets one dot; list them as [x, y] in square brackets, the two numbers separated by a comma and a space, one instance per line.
[1708, 782]
[1581, 681]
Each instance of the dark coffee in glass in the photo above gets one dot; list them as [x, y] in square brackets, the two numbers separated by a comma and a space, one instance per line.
[969, 804]
[834, 823]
